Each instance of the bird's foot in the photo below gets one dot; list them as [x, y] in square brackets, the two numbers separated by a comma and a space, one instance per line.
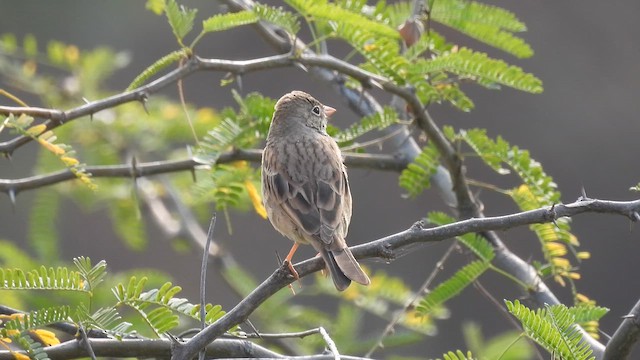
[292, 270]
[295, 275]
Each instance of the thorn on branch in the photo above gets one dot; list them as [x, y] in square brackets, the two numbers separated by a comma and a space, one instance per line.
[418, 225]
[583, 195]
[133, 171]
[300, 66]
[144, 97]
[552, 215]
[12, 197]
[239, 82]
[193, 169]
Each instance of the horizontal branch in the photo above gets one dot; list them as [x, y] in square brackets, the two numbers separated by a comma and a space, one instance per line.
[136, 170]
[148, 348]
[388, 247]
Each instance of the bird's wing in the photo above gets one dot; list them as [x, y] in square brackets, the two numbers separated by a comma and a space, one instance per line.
[314, 203]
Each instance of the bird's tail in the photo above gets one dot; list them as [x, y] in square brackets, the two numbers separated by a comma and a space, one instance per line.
[349, 267]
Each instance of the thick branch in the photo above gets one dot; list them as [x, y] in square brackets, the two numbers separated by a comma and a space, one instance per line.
[625, 337]
[387, 248]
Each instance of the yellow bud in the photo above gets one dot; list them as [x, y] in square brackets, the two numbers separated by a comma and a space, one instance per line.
[36, 130]
[69, 161]
[574, 275]
[582, 298]
[561, 263]
[583, 255]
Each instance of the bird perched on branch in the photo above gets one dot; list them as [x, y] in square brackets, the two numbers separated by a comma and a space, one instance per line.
[305, 187]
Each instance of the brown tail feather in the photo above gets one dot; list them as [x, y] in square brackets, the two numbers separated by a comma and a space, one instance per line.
[340, 280]
[349, 266]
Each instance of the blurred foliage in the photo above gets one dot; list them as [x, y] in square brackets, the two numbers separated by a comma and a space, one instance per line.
[62, 76]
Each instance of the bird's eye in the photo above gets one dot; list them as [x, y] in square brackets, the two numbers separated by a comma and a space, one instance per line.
[316, 110]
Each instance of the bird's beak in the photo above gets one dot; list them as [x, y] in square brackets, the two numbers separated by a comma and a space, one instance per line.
[329, 110]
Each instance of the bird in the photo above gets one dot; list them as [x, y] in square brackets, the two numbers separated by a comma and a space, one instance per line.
[305, 189]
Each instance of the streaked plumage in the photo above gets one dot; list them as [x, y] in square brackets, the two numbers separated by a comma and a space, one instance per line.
[305, 187]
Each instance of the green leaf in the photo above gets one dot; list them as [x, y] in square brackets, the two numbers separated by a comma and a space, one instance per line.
[417, 176]
[333, 13]
[156, 67]
[42, 279]
[479, 245]
[180, 18]
[43, 234]
[30, 45]
[34, 349]
[38, 318]
[278, 16]
[106, 319]
[554, 328]
[227, 21]
[157, 6]
[489, 24]
[452, 286]
[127, 222]
[93, 275]
[458, 355]
[478, 66]
[377, 121]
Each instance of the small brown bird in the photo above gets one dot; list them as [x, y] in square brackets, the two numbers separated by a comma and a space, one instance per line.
[305, 188]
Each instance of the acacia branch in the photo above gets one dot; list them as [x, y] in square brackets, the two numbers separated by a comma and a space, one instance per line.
[136, 170]
[145, 348]
[389, 247]
[625, 337]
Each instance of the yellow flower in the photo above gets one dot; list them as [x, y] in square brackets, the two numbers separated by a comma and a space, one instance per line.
[47, 337]
[256, 199]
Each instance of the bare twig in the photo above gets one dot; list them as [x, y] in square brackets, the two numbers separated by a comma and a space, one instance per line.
[412, 301]
[203, 278]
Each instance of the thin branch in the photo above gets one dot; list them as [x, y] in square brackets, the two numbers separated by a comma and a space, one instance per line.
[412, 301]
[145, 348]
[203, 278]
[625, 337]
[388, 247]
[353, 160]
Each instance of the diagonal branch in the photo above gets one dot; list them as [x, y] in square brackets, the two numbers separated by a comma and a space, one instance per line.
[388, 249]
[625, 337]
